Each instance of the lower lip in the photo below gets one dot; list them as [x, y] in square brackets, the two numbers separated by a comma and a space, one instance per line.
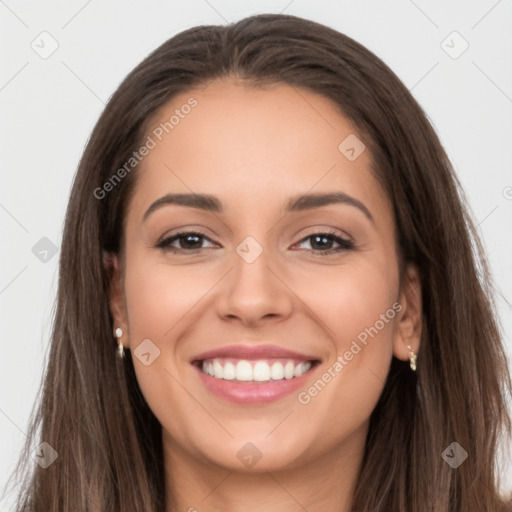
[250, 392]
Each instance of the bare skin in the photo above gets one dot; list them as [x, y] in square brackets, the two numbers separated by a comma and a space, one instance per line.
[254, 149]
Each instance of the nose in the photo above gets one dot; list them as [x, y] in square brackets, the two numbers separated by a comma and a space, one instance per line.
[255, 293]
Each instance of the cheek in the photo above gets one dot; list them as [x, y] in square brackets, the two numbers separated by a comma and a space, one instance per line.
[357, 307]
[158, 297]
[352, 300]
[162, 301]
[366, 297]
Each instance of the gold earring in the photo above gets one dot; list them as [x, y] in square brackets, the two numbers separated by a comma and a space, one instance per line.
[120, 348]
[412, 358]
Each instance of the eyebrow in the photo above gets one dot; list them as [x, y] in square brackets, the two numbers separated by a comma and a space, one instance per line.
[295, 204]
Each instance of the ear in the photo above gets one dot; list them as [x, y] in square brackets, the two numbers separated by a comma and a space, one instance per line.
[409, 319]
[116, 296]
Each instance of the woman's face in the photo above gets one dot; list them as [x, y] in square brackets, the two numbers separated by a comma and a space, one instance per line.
[248, 291]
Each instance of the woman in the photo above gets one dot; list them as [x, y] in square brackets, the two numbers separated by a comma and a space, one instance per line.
[255, 372]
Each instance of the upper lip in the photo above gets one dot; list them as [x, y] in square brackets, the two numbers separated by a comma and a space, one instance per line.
[252, 352]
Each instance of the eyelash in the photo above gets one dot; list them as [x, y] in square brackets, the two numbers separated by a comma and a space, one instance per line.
[345, 245]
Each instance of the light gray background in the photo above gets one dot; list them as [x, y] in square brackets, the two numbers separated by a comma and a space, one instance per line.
[49, 107]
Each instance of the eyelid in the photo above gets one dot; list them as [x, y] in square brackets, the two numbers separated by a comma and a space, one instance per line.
[331, 231]
[344, 241]
[200, 230]
[176, 235]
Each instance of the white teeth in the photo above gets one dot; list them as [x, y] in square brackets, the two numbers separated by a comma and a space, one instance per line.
[299, 370]
[277, 371]
[229, 372]
[243, 370]
[261, 371]
[288, 370]
[217, 369]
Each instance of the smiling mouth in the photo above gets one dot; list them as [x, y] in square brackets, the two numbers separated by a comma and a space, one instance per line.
[255, 371]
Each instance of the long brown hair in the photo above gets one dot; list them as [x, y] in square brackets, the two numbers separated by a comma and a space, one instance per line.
[91, 410]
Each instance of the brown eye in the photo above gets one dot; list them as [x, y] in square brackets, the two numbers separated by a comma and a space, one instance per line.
[320, 240]
[190, 241]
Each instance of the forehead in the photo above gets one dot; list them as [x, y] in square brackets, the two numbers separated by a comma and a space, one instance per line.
[253, 146]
